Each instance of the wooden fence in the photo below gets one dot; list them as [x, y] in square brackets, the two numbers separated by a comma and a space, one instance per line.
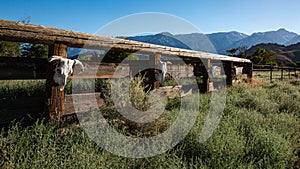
[59, 40]
[285, 71]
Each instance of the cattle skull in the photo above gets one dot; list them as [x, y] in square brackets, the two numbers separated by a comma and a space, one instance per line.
[162, 66]
[64, 68]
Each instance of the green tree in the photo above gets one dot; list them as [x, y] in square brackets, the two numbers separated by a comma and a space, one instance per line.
[263, 57]
[231, 52]
[237, 52]
[10, 49]
[119, 56]
[242, 52]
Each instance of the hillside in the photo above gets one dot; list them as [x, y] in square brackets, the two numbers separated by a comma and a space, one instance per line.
[283, 53]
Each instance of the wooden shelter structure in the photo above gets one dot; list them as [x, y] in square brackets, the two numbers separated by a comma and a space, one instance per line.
[59, 40]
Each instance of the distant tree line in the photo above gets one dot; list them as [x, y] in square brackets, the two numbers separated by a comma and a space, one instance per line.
[17, 49]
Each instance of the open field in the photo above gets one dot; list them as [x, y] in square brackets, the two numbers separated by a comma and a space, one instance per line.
[260, 128]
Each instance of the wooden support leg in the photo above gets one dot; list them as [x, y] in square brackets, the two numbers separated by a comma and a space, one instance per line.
[197, 69]
[154, 61]
[228, 71]
[205, 79]
[271, 73]
[250, 72]
[281, 74]
[54, 97]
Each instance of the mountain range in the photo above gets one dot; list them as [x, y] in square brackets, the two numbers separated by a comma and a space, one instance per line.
[219, 42]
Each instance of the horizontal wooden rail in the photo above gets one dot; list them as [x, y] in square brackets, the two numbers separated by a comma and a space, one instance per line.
[20, 32]
[22, 68]
[269, 67]
[17, 68]
[12, 68]
[30, 107]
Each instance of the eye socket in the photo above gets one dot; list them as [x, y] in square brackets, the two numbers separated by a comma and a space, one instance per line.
[58, 70]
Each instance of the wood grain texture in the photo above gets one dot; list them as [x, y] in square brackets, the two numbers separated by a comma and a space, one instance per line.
[20, 32]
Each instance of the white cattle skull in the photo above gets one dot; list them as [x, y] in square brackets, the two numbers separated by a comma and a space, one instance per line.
[162, 66]
[64, 68]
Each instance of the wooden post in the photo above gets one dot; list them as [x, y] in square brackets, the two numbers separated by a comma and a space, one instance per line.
[205, 78]
[281, 74]
[271, 73]
[153, 62]
[197, 69]
[250, 72]
[55, 97]
[289, 73]
[228, 71]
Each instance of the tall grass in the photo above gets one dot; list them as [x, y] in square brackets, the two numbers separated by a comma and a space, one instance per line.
[260, 128]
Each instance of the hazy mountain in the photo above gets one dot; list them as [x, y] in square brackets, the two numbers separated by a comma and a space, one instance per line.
[197, 41]
[295, 40]
[224, 40]
[165, 39]
[280, 36]
[213, 43]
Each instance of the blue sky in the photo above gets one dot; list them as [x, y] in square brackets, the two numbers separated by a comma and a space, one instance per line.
[209, 16]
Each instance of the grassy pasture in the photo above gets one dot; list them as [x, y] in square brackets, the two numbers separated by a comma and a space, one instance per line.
[260, 128]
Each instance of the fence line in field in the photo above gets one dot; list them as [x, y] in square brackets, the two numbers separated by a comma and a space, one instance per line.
[291, 71]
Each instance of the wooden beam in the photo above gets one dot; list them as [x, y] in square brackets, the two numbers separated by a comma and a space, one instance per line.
[85, 103]
[21, 108]
[32, 107]
[22, 68]
[17, 68]
[104, 70]
[14, 68]
[20, 32]
[54, 97]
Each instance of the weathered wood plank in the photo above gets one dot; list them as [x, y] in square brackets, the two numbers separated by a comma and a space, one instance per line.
[31, 107]
[104, 70]
[12, 68]
[19, 108]
[85, 104]
[22, 68]
[16, 31]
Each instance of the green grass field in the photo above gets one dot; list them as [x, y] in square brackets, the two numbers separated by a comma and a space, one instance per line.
[260, 128]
